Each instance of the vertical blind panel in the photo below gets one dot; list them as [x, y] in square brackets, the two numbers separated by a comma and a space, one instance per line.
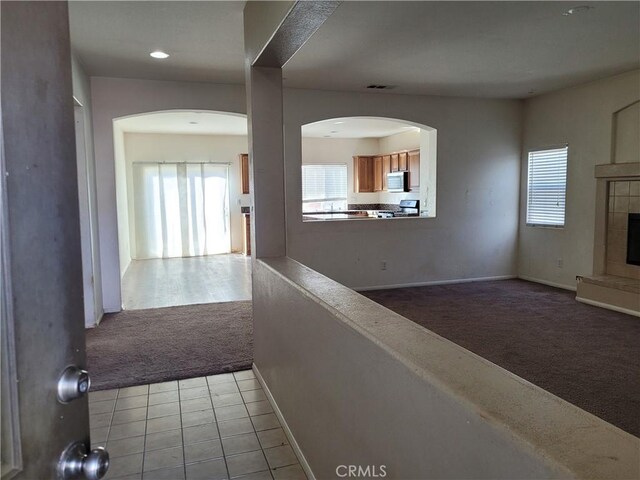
[547, 187]
[216, 211]
[171, 227]
[181, 210]
[324, 182]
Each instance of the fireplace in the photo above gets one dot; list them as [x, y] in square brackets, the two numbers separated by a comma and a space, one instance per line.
[633, 239]
[622, 235]
[615, 280]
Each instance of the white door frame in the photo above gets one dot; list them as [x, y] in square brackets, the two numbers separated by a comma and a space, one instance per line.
[86, 232]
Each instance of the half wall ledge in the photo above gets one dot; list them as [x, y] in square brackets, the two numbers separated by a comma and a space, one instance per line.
[359, 384]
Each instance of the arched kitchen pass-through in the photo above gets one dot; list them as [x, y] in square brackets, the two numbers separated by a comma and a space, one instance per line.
[364, 168]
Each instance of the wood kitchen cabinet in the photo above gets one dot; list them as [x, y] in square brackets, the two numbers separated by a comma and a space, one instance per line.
[414, 169]
[370, 172]
[244, 172]
[386, 168]
[402, 162]
[363, 180]
[394, 162]
[378, 174]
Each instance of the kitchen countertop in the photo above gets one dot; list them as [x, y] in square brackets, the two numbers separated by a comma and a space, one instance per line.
[347, 215]
[337, 216]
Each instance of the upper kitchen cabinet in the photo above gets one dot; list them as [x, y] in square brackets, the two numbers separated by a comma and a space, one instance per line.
[244, 172]
[386, 168]
[378, 174]
[363, 179]
[402, 161]
[394, 162]
[370, 172]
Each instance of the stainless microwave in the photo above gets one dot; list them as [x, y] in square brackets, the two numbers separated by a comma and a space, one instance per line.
[398, 182]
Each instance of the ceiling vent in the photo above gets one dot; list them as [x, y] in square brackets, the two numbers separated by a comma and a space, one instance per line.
[379, 87]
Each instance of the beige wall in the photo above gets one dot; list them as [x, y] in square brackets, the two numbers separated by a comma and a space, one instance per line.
[474, 234]
[150, 147]
[400, 141]
[626, 125]
[478, 169]
[582, 117]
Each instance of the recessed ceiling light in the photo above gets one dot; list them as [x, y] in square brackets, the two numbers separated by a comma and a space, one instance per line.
[578, 9]
[334, 131]
[159, 54]
[327, 136]
[337, 123]
[193, 123]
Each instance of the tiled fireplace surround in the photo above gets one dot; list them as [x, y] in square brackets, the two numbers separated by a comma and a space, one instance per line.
[615, 284]
[624, 198]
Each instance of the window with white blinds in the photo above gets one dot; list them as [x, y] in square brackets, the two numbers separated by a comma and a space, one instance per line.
[324, 187]
[547, 187]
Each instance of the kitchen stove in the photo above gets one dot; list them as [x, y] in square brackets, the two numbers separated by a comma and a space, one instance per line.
[408, 208]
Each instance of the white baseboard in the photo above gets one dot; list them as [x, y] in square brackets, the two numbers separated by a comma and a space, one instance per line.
[573, 288]
[608, 306]
[285, 426]
[433, 282]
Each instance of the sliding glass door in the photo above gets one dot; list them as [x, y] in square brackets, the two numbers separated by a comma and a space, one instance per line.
[180, 209]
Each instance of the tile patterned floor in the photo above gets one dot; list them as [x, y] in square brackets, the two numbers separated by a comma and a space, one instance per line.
[214, 428]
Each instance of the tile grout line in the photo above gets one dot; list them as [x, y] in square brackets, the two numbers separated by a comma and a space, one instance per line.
[215, 419]
[184, 454]
[254, 427]
[144, 443]
[113, 414]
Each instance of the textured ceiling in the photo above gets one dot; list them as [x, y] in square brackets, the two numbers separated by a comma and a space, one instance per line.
[486, 49]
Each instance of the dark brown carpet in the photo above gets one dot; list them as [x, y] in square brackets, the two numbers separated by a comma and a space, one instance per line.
[135, 347]
[586, 355]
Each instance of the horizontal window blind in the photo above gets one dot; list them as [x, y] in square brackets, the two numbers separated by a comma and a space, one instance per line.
[321, 183]
[547, 187]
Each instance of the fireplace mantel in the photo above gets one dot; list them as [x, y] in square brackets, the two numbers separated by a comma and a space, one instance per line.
[618, 170]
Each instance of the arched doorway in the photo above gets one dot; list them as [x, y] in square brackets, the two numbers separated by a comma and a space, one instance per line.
[179, 208]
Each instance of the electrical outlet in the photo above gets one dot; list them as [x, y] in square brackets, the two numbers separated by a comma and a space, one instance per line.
[383, 265]
[560, 263]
